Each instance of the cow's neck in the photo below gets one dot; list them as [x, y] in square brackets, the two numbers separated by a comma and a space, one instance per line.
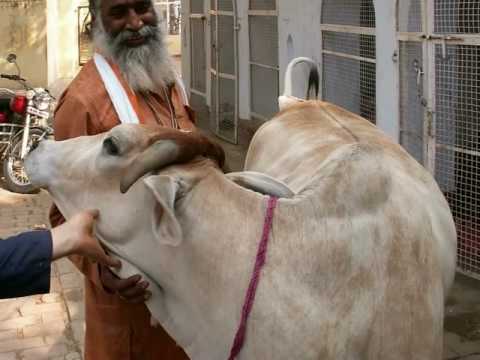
[212, 267]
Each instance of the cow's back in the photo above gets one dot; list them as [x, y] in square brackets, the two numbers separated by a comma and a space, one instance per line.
[293, 145]
[381, 227]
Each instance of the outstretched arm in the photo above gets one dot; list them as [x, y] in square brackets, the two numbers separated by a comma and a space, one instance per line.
[25, 259]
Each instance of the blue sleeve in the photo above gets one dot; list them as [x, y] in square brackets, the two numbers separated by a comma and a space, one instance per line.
[25, 264]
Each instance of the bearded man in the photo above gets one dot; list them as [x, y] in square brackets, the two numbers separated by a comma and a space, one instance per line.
[130, 79]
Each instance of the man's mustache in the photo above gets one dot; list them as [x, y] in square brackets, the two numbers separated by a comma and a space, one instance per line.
[147, 32]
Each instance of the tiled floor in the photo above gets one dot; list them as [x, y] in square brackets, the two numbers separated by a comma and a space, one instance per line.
[49, 326]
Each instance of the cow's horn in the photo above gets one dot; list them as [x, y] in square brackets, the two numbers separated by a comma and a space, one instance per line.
[261, 183]
[158, 155]
[178, 149]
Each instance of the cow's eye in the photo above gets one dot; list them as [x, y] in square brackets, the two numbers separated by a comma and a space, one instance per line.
[111, 147]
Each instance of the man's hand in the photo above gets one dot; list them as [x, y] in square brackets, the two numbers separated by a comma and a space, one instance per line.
[76, 237]
[131, 290]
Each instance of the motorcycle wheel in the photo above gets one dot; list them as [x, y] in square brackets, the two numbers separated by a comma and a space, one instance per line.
[16, 179]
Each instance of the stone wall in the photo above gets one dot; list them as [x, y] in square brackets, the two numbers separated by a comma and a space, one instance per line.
[63, 55]
[23, 31]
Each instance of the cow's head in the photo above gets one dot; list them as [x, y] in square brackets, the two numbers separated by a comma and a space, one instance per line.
[102, 171]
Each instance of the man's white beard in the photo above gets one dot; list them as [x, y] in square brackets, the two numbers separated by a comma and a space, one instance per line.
[147, 67]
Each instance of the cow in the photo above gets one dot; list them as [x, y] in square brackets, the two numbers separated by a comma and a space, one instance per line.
[361, 252]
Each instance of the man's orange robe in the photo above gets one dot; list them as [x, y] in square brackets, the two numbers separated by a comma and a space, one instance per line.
[116, 330]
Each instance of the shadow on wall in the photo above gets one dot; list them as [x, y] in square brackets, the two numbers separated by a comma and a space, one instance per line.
[23, 27]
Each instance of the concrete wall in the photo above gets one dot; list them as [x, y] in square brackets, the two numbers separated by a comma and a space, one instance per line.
[388, 71]
[43, 33]
[300, 35]
[62, 42]
[23, 31]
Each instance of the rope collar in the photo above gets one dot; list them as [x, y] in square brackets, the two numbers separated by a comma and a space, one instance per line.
[252, 287]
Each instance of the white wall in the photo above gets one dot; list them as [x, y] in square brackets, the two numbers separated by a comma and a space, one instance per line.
[62, 25]
[301, 20]
[244, 63]
[299, 35]
[23, 32]
[185, 43]
[388, 109]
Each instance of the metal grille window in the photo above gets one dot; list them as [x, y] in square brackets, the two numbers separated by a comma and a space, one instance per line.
[225, 5]
[410, 16]
[196, 6]
[263, 5]
[457, 16]
[223, 70]
[264, 69]
[412, 76]
[439, 107]
[348, 48]
[349, 12]
[198, 56]
[457, 157]
[198, 48]
[169, 10]
[411, 91]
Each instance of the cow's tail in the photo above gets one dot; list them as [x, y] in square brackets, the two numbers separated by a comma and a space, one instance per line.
[287, 99]
[313, 83]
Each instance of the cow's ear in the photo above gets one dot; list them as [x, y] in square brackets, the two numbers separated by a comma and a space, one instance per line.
[166, 228]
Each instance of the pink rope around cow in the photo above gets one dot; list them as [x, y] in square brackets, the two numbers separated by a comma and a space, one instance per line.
[252, 288]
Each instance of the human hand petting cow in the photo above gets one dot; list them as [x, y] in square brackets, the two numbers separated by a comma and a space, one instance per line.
[38, 248]
[74, 237]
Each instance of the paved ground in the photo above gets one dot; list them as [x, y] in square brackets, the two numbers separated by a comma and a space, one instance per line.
[47, 326]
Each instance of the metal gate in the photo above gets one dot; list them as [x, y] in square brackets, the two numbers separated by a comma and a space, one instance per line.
[264, 67]
[455, 51]
[169, 10]
[440, 106]
[415, 109]
[348, 55]
[198, 53]
[224, 69]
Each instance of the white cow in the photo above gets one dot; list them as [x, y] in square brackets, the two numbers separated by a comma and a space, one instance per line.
[361, 254]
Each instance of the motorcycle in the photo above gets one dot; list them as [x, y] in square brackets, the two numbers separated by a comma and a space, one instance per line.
[25, 119]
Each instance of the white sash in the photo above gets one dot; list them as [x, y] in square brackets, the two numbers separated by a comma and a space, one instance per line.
[118, 95]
